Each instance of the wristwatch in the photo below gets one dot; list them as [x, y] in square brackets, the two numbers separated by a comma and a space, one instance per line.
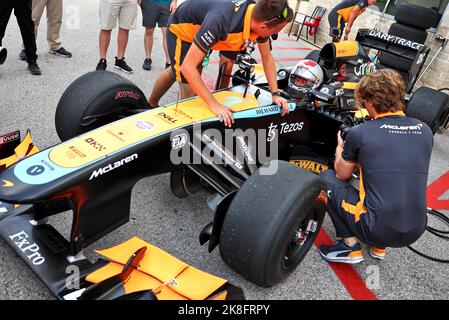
[276, 93]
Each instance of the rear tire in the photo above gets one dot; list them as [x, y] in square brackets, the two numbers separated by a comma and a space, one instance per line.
[430, 106]
[100, 93]
[415, 16]
[259, 237]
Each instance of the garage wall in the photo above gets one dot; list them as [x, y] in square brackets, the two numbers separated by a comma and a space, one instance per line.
[437, 75]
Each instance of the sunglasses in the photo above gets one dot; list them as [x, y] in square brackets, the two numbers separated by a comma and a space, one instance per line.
[279, 18]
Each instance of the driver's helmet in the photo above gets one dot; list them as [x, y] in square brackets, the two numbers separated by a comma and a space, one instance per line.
[306, 76]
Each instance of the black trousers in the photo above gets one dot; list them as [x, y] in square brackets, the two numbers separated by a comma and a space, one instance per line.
[22, 11]
[346, 225]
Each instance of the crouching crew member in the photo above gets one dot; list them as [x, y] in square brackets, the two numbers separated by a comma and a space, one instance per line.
[393, 152]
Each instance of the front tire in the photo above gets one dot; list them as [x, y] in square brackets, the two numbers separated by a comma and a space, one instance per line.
[95, 99]
[263, 237]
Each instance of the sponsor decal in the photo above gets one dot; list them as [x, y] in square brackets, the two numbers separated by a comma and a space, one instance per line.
[180, 113]
[179, 141]
[10, 137]
[49, 166]
[96, 145]
[31, 250]
[112, 166]
[246, 149]
[7, 184]
[416, 129]
[77, 152]
[167, 118]
[285, 128]
[238, 3]
[119, 135]
[144, 125]
[220, 148]
[310, 165]
[267, 110]
[127, 94]
[325, 90]
[35, 170]
[208, 38]
[395, 39]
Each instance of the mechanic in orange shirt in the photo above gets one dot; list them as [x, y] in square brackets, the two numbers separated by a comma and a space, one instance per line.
[346, 12]
[199, 26]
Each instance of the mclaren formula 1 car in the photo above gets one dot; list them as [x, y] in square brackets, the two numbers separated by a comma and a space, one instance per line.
[267, 200]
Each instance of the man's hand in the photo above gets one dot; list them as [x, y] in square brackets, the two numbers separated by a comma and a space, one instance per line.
[173, 6]
[340, 141]
[281, 102]
[347, 32]
[223, 113]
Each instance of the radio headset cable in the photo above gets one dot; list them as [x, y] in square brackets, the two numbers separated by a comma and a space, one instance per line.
[442, 234]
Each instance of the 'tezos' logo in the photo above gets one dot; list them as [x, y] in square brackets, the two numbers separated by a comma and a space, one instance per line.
[285, 128]
[127, 94]
[95, 144]
[113, 166]
[144, 125]
[26, 247]
[166, 118]
[10, 137]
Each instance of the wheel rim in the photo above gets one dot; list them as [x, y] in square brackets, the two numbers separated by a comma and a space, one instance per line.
[301, 239]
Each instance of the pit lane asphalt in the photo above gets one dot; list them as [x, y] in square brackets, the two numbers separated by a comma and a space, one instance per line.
[29, 102]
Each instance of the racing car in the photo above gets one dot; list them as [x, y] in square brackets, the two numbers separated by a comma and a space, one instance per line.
[267, 200]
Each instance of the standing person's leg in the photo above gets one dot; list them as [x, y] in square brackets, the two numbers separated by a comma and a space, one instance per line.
[6, 7]
[37, 12]
[122, 42]
[109, 11]
[127, 21]
[148, 43]
[22, 10]
[176, 50]
[150, 16]
[162, 23]
[54, 23]
[164, 43]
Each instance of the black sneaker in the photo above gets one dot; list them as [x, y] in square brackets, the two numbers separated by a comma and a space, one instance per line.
[62, 53]
[122, 65]
[23, 55]
[34, 69]
[147, 64]
[102, 65]
[167, 65]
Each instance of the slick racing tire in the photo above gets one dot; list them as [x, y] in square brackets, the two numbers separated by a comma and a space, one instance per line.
[272, 223]
[406, 32]
[428, 105]
[415, 16]
[95, 99]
